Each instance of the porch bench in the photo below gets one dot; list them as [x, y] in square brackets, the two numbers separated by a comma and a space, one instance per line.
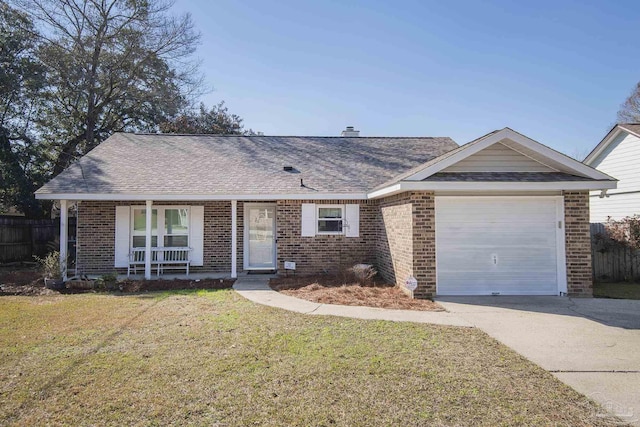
[161, 258]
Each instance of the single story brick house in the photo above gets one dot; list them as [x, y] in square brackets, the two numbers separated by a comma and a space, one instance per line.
[502, 214]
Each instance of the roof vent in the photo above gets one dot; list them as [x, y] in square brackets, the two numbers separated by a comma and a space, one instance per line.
[288, 169]
[350, 131]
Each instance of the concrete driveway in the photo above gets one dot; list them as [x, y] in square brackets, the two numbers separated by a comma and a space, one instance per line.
[593, 345]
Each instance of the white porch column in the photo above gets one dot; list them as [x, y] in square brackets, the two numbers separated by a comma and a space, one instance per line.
[147, 242]
[64, 233]
[234, 239]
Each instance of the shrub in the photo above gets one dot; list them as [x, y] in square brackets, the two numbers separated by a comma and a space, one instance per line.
[625, 231]
[107, 282]
[50, 265]
[363, 273]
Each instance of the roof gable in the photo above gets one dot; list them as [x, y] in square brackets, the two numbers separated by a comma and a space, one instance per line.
[629, 128]
[533, 150]
[499, 158]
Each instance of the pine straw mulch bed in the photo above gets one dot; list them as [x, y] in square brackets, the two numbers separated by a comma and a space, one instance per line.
[29, 282]
[335, 289]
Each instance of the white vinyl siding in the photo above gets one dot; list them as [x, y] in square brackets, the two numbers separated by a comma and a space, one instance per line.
[621, 160]
[498, 158]
[616, 206]
[498, 245]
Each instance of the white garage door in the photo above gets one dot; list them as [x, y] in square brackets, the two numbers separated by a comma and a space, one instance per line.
[499, 246]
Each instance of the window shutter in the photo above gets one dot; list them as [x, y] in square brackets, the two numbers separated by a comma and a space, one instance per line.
[352, 216]
[308, 219]
[123, 226]
[196, 235]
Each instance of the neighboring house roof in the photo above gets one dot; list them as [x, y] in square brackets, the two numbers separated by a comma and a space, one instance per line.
[217, 165]
[632, 128]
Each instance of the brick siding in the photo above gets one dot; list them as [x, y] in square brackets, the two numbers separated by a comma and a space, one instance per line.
[394, 246]
[578, 243]
[424, 243]
[406, 241]
[95, 239]
[324, 253]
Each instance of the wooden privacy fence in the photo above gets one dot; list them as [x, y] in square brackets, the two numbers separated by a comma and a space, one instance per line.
[21, 238]
[612, 262]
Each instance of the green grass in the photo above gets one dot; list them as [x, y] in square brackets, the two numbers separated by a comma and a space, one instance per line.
[213, 358]
[623, 290]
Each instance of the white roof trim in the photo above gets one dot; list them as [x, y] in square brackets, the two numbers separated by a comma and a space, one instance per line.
[200, 197]
[510, 134]
[490, 186]
[383, 192]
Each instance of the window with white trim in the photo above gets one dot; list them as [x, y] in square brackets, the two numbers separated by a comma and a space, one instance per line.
[330, 219]
[173, 232]
[138, 234]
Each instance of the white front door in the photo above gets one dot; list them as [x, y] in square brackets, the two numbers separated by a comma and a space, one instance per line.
[259, 237]
[499, 245]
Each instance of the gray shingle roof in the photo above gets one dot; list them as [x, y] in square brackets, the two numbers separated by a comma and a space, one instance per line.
[217, 165]
[505, 177]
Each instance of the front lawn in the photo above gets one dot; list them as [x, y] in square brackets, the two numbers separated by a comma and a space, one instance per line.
[624, 290]
[210, 357]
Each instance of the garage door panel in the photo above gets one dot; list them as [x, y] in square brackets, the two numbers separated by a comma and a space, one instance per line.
[488, 239]
[499, 212]
[514, 260]
[489, 245]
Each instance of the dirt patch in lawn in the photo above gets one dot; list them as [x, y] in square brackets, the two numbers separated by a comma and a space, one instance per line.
[23, 281]
[329, 289]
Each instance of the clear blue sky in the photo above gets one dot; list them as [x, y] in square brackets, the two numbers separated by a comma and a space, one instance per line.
[556, 71]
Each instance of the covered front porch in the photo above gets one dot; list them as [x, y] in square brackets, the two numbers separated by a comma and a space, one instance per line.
[171, 239]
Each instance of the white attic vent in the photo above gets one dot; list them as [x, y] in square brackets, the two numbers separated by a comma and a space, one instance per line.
[350, 131]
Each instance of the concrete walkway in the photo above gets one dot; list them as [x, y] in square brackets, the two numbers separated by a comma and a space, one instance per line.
[256, 289]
